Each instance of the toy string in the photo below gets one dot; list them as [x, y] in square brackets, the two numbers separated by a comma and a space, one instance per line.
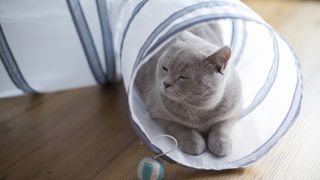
[164, 153]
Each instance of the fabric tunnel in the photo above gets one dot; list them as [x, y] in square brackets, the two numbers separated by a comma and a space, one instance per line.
[56, 45]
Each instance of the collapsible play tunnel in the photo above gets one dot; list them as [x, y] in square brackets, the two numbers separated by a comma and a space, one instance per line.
[268, 69]
[82, 53]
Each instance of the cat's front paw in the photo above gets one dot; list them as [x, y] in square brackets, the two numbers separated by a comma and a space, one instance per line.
[193, 147]
[219, 144]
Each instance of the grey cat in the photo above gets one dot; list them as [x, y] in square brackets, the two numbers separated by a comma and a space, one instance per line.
[193, 92]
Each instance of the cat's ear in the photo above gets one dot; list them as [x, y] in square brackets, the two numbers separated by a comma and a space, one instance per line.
[220, 59]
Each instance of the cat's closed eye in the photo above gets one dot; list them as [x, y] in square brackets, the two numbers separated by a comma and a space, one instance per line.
[165, 69]
[183, 77]
[219, 70]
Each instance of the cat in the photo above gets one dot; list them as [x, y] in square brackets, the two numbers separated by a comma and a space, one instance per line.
[192, 91]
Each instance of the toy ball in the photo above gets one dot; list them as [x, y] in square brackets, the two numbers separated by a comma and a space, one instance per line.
[150, 169]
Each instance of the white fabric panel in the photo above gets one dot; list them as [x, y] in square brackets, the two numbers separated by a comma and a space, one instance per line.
[119, 15]
[254, 67]
[91, 14]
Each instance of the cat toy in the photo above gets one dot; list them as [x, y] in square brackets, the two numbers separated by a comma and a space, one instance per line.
[152, 168]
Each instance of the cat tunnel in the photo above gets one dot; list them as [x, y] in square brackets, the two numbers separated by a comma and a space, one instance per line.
[55, 45]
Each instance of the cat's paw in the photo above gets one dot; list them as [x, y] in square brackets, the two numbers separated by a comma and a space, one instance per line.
[219, 144]
[193, 147]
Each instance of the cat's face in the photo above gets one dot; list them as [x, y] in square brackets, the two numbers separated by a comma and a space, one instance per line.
[189, 74]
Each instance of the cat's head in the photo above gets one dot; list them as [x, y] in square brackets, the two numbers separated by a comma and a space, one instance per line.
[191, 70]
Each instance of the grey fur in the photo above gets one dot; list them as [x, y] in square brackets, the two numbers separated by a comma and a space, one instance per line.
[192, 92]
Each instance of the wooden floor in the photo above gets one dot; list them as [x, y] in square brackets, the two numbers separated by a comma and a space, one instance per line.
[85, 133]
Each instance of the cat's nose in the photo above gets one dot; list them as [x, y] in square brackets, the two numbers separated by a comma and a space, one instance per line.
[166, 85]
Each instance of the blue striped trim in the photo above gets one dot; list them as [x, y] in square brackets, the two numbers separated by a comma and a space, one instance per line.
[136, 10]
[11, 65]
[234, 34]
[234, 40]
[107, 39]
[243, 44]
[86, 40]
